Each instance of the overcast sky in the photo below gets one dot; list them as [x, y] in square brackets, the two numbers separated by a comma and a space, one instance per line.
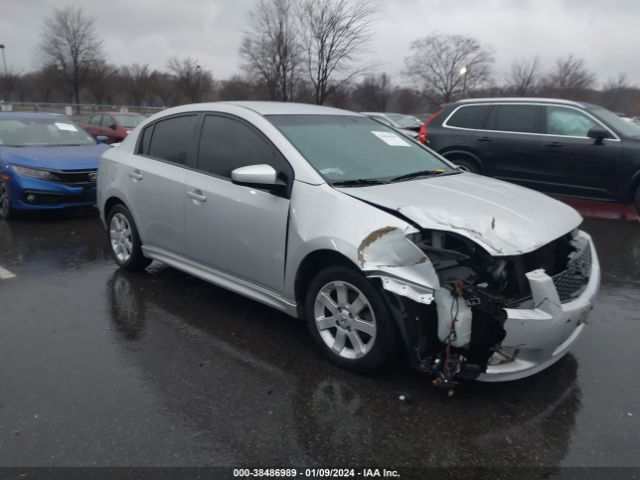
[151, 31]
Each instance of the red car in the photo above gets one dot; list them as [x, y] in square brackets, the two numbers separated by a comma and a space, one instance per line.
[113, 125]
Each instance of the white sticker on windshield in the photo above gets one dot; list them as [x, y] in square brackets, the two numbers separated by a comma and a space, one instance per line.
[69, 127]
[391, 138]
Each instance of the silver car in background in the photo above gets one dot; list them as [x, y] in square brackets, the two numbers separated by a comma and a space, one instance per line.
[378, 243]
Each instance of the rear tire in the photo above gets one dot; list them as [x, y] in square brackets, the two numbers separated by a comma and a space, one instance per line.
[349, 319]
[466, 164]
[124, 240]
[6, 210]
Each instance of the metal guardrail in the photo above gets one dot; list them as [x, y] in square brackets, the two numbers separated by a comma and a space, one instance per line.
[76, 111]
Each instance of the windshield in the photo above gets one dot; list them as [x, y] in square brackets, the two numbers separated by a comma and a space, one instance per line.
[627, 129]
[129, 121]
[352, 148]
[42, 132]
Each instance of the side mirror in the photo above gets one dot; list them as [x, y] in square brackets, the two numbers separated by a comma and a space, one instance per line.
[102, 139]
[598, 134]
[113, 126]
[254, 175]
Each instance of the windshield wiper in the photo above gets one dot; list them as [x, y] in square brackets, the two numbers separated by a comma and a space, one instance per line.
[358, 182]
[421, 173]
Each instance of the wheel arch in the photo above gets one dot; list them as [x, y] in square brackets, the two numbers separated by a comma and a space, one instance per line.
[312, 263]
[634, 185]
[451, 153]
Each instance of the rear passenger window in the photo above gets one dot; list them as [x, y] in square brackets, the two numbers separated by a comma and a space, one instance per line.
[227, 144]
[516, 118]
[171, 139]
[472, 116]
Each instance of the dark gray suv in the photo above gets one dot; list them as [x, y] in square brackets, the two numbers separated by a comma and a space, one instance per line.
[555, 146]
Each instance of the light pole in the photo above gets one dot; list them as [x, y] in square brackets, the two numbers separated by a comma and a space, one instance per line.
[6, 74]
[463, 73]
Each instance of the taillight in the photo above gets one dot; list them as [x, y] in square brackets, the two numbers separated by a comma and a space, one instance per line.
[422, 137]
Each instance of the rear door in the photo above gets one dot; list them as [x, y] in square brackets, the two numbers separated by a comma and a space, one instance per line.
[93, 126]
[458, 129]
[573, 163]
[155, 181]
[509, 143]
[107, 122]
[237, 229]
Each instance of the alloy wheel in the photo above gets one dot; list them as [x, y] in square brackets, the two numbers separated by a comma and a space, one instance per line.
[121, 237]
[345, 320]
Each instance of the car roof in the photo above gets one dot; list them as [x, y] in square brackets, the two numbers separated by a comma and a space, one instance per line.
[29, 116]
[116, 113]
[268, 108]
[518, 100]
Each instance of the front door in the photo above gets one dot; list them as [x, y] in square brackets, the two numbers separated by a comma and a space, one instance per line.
[237, 229]
[575, 164]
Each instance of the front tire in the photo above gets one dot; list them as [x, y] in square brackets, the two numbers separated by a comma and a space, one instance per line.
[350, 320]
[124, 240]
[6, 210]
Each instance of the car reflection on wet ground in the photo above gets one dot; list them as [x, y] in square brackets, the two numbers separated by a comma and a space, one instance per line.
[102, 367]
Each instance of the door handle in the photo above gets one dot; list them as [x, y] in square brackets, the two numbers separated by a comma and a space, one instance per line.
[135, 174]
[484, 139]
[197, 196]
[553, 145]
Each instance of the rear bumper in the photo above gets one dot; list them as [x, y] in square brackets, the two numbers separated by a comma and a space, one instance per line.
[35, 194]
[544, 334]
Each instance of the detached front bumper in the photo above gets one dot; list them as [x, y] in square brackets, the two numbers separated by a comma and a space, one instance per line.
[543, 335]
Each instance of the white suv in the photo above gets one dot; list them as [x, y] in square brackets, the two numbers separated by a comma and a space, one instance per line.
[375, 240]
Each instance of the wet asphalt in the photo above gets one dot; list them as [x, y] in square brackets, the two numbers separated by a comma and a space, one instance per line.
[100, 367]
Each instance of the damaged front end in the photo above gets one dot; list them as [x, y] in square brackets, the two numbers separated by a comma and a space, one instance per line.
[465, 313]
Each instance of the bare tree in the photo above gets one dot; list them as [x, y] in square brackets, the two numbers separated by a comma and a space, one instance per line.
[164, 86]
[373, 93]
[137, 80]
[446, 65]
[235, 88]
[570, 74]
[100, 79]
[333, 32]
[524, 77]
[621, 82]
[619, 95]
[192, 80]
[69, 42]
[271, 49]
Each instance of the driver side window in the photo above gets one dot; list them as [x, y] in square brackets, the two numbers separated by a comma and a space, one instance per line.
[227, 144]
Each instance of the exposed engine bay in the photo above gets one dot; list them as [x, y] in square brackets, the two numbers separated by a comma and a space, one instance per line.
[460, 332]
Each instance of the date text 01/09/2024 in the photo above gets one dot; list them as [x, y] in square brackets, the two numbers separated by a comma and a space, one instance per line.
[315, 473]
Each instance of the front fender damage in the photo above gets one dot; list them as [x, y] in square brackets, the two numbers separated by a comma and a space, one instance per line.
[433, 312]
[403, 269]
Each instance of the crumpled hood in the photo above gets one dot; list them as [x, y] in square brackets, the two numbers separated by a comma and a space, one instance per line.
[503, 218]
[55, 158]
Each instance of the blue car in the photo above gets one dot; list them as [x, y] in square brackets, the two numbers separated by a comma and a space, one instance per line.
[46, 163]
